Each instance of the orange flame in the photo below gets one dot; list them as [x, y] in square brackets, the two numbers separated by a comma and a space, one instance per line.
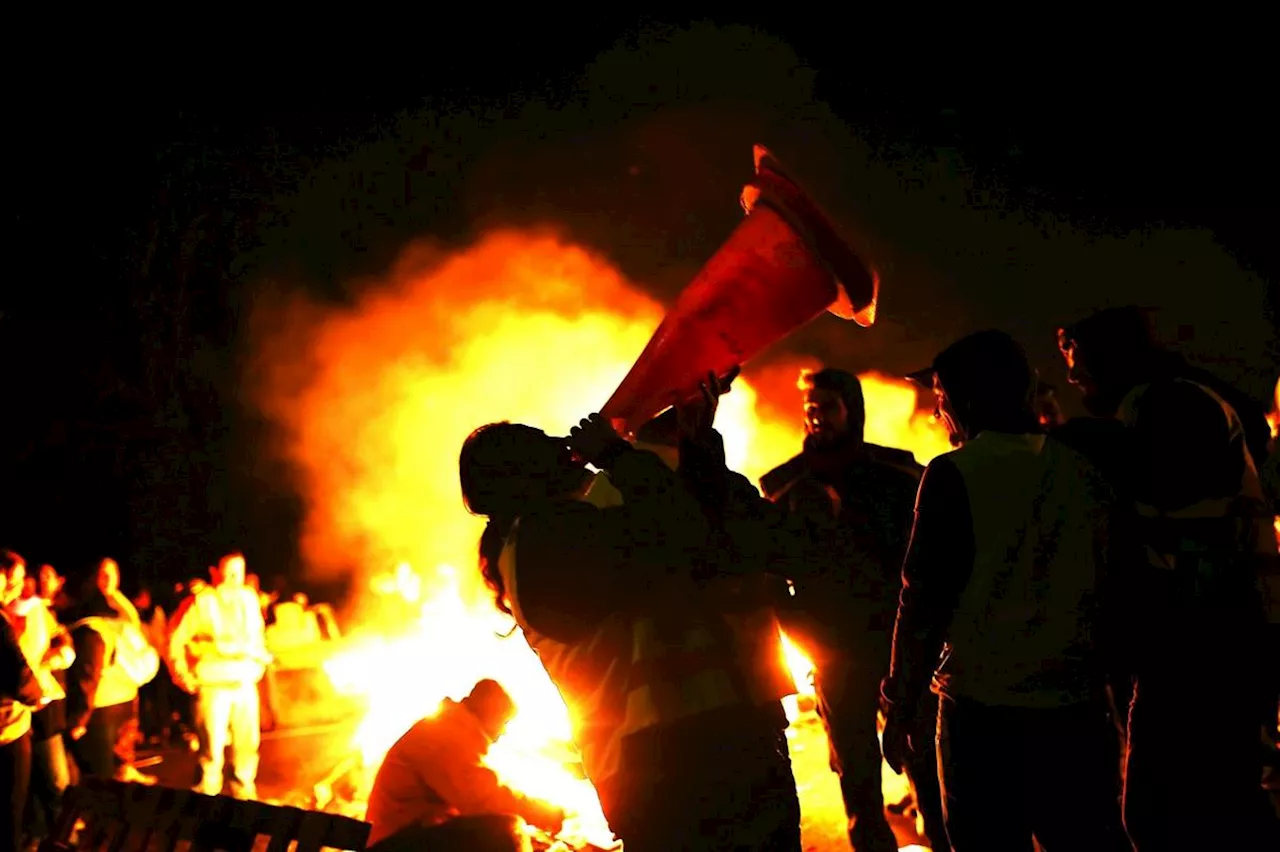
[374, 402]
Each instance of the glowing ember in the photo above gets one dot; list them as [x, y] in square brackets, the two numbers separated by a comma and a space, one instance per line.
[374, 402]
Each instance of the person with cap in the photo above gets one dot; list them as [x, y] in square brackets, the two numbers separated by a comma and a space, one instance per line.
[846, 599]
[1203, 585]
[435, 773]
[1000, 611]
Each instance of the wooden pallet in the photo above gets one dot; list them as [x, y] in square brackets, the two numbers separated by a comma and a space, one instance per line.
[124, 817]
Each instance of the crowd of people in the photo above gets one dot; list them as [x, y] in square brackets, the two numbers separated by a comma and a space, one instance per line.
[1062, 632]
[1068, 628]
[82, 683]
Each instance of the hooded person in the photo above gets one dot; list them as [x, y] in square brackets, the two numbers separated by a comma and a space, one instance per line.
[857, 496]
[434, 774]
[835, 416]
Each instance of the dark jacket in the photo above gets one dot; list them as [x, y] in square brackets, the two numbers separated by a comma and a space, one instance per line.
[850, 586]
[578, 563]
[776, 482]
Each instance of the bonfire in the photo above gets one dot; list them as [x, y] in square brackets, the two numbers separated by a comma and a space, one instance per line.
[374, 400]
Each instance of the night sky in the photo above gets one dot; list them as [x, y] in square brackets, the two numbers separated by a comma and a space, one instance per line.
[145, 222]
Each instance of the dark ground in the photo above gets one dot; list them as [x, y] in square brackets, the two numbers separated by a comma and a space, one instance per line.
[294, 761]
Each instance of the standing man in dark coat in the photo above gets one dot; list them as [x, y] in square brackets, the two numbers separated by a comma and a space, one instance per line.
[847, 602]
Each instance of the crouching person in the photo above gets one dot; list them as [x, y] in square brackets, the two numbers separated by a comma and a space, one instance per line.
[432, 782]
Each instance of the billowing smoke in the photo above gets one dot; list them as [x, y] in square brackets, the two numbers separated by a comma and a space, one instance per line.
[374, 399]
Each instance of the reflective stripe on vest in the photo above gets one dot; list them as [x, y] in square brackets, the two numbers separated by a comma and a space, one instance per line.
[632, 672]
[1214, 537]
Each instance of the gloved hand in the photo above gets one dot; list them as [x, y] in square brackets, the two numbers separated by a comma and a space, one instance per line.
[595, 442]
[697, 416]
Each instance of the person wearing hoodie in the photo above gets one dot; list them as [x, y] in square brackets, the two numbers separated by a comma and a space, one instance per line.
[846, 598]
